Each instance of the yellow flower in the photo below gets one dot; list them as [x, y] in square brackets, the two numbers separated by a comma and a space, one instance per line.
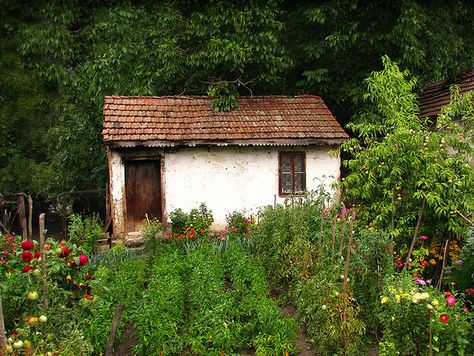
[398, 297]
[383, 300]
[432, 261]
[435, 302]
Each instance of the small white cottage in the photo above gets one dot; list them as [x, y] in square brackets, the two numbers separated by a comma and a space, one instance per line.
[166, 153]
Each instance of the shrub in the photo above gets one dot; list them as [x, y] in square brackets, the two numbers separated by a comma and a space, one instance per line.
[85, 231]
[412, 311]
[191, 226]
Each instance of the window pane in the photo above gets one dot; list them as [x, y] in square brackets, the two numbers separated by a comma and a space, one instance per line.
[299, 182]
[299, 163]
[285, 163]
[286, 183]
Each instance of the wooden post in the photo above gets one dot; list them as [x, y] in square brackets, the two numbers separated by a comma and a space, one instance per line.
[343, 235]
[43, 260]
[348, 253]
[415, 235]
[445, 258]
[113, 330]
[30, 217]
[334, 227]
[22, 213]
[3, 336]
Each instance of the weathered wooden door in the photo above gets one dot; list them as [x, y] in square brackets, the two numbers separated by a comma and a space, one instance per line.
[142, 182]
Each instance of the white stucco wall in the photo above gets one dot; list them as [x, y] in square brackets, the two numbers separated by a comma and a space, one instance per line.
[243, 178]
[117, 193]
[226, 179]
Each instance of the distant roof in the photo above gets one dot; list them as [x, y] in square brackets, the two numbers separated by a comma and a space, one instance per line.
[191, 120]
[435, 96]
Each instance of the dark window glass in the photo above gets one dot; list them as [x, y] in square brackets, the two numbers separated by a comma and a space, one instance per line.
[292, 173]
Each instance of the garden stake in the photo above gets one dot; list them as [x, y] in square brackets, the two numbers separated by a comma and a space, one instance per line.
[415, 235]
[445, 255]
[43, 260]
[334, 226]
[30, 218]
[3, 336]
[343, 235]
[348, 253]
[113, 329]
[431, 334]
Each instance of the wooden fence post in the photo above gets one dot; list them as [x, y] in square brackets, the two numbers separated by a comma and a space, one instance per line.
[43, 260]
[3, 336]
[30, 218]
[22, 214]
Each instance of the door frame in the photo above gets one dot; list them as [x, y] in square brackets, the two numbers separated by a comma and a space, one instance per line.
[137, 157]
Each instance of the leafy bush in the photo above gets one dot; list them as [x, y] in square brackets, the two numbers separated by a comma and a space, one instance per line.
[44, 329]
[411, 311]
[85, 231]
[193, 225]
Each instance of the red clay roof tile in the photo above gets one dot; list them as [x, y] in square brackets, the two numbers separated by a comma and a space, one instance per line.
[435, 96]
[182, 118]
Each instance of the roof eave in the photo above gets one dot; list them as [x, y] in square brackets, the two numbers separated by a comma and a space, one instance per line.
[260, 142]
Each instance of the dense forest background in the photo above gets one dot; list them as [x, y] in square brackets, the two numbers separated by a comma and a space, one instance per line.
[59, 58]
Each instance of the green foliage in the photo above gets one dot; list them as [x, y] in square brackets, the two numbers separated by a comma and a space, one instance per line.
[159, 316]
[372, 263]
[85, 231]
[194, 224]
[410, 313]
[58, 60]
[463, 274]
[399, 162]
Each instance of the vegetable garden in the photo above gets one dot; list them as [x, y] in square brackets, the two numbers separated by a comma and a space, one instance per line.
[392, 274]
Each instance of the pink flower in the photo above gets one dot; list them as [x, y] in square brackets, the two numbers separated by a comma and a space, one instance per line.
[423, 237]
[420, 281]
[450, 300]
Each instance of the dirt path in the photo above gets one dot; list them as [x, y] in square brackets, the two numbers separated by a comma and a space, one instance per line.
[303, 346]
[127, 341]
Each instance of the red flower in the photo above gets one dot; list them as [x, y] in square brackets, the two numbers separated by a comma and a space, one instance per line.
[88, 276]
[26, 269]
[66, 252]
[37, 255]
[83, 260]
[470, 291]
[89, 297]
[444, 318]
[447, 294]
[27, 245]
[27, 256]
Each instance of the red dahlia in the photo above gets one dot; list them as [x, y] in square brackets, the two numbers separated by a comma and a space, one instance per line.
[26, 269]
[27, 245]
[27, 256]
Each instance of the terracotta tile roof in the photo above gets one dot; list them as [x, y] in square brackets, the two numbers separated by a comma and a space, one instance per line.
[161, 121]
[435, 96]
